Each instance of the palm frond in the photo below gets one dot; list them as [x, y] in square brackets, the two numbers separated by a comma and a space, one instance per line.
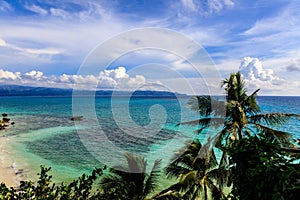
[187, 154]
[240, 87]
[220, 175]
[281, 136]
[168, 195]
[193, 191]
[250, 104]
[151, 182]
[189, 178]
[216, 192]
[109, 181]
[170, 192]
[135, 164]
[272, 118]
[206, 105]
[224, 161]
[176, 170]
[208, 155]
[200, 104]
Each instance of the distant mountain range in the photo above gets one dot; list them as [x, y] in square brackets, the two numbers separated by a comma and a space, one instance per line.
[17, 90]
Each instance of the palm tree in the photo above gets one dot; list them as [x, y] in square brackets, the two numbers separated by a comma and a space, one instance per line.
[199, 176]
[239, 115]
[130, 182]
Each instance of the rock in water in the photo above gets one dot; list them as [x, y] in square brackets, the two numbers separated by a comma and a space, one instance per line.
[76, 118]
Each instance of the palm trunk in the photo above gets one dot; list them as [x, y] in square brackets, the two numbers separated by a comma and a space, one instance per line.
[240, 133]
[205, 193]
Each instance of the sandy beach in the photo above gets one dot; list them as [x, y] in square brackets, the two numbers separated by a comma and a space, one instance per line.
[9, 173]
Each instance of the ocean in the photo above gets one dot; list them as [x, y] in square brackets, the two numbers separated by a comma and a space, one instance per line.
[44, 133]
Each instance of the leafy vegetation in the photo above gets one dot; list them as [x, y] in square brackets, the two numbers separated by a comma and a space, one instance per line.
[239, 116]
[198, 172]
[130, 182]
[261, 170]
[46, 190]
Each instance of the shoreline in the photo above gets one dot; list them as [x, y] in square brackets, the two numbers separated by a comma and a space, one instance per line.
[10, 175]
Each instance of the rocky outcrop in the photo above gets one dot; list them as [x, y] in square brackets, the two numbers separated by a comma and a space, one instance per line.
[5, 121]
[76, 118]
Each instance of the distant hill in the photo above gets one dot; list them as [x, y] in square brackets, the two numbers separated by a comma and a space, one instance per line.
[17, 90]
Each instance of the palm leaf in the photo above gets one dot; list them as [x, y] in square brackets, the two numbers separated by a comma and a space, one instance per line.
[151, 182]
[176, 170]
[170, 192]
[282, 136]
[189, 178]
[193, 191]
[187, 154]
[109, 181]
[250, 104]
[168, 195]
[206, 105]
[272, 118]
[216, 192]
[135, 164]
[220, 175]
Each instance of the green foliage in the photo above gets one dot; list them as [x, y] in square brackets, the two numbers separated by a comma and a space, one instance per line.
[130, 182]
[198, 174]
[239, 115]
[260, 170]
[44, 189]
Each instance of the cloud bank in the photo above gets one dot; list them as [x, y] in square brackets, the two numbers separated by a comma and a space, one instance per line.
[108, 79]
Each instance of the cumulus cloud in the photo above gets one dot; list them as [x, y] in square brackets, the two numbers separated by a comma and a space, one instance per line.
[252, 69]
[108, 79]
[256, 76]
[7, 75]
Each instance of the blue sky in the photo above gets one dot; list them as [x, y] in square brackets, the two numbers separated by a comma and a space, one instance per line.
[44, 42]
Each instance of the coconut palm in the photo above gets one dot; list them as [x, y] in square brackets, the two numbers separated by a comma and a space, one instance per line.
[239, 115]
[198, 174]
[130, 182]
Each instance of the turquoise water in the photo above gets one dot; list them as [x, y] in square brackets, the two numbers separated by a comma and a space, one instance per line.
[45, 135]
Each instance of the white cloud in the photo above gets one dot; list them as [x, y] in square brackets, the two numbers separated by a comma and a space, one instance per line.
[256, 76]
[252, 70]
[2, 43]
[37, 9]
[7, 75]
[119, 79]
[108, 79]
[207, 6]
[4, 6]
[59, 13]
[189, 4]
[118, 73]
[31, 51]
[33, 75]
